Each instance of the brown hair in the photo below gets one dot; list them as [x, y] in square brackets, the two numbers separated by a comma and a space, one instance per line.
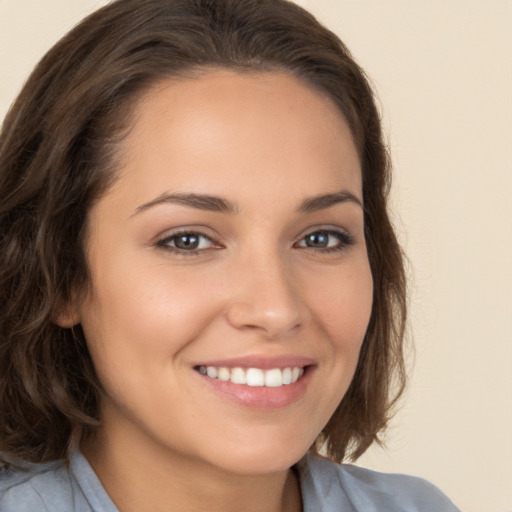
[57, 156]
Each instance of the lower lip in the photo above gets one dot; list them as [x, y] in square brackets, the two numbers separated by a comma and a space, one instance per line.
[260, 397]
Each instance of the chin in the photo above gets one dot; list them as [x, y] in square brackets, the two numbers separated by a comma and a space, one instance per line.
[261, 458]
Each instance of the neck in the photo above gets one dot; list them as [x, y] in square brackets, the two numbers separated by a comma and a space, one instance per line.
[143, 477]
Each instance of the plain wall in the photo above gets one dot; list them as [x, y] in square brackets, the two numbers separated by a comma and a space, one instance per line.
[443, 73]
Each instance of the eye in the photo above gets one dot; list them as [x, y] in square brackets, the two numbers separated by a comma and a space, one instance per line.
[326, 240]
[186, 242]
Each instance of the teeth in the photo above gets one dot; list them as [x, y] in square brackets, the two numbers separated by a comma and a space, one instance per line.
[238, 376]
[274, 378]
[255, 377]
[223, 374]
[211, 371]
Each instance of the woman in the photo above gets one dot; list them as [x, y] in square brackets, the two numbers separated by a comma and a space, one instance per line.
[201, 288]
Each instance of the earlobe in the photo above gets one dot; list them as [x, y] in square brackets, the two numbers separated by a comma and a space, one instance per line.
[67, 317]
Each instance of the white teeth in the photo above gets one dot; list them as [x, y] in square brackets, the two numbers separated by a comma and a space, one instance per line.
[211, 371]
[254, 377]
[238, 376]
[223, 374]
[274, 378]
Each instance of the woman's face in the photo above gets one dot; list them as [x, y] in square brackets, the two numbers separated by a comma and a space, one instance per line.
[231, 247]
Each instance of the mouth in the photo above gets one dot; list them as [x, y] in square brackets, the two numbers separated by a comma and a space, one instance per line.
[254, 377]
[259, 383]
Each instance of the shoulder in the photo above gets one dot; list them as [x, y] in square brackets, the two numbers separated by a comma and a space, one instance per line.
[335, 487]
[30, 488]
[49, 487]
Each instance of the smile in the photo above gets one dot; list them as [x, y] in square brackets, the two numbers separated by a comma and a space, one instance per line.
[254, 377]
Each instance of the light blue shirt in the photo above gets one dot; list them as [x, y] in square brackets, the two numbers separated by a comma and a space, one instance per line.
[325, 486]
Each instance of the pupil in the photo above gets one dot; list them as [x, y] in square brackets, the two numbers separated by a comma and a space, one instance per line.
[187, 242]
[317, 240]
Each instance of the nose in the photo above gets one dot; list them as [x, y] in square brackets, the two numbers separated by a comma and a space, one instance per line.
[265, 298]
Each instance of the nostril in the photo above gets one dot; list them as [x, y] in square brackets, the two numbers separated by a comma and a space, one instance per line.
[275, 318]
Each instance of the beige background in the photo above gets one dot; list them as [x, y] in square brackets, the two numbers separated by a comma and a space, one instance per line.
[444, 76]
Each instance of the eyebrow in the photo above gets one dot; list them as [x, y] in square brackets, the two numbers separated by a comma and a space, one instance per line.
[222, 205]
[199, 201]
[324, 201]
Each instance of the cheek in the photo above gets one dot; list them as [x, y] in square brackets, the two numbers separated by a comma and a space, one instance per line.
[343, 302]
[137, 329]
[139, 317]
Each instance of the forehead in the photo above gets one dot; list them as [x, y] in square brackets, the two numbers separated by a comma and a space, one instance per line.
[258, 127]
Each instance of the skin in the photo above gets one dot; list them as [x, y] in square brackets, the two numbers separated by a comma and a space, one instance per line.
[265, 142]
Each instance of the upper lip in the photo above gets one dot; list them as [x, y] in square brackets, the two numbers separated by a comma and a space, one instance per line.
[259, 361]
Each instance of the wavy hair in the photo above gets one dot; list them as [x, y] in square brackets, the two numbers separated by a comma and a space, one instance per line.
[58, 156]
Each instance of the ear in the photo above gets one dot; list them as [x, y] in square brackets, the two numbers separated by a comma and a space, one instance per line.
[67, 316]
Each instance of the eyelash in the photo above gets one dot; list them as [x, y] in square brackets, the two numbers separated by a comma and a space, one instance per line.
[345, 240]
[165, 243]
